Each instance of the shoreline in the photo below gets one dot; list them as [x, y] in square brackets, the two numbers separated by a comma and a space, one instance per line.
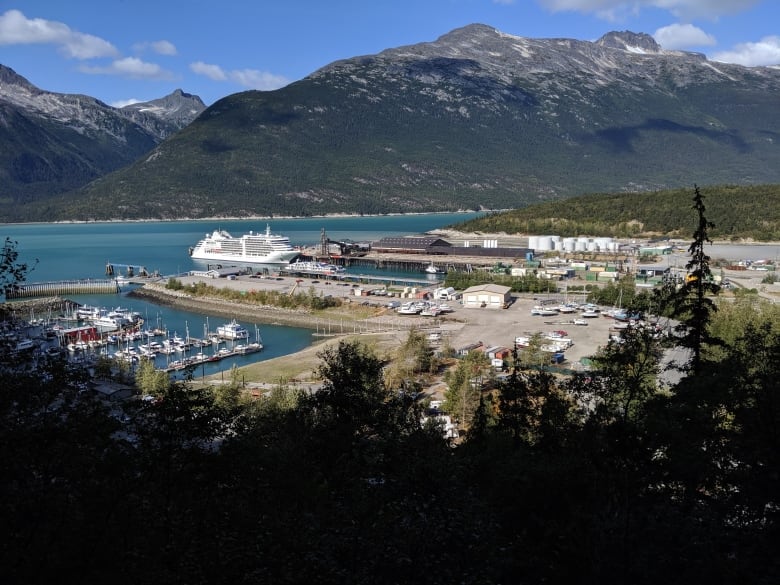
[223, 308]
[250, 217]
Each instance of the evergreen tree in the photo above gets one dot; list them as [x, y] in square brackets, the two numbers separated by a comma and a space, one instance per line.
[693, 304]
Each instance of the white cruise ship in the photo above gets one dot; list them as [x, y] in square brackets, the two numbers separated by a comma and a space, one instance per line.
[254, 248]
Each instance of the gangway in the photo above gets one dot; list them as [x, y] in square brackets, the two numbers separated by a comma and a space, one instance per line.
[131, 270]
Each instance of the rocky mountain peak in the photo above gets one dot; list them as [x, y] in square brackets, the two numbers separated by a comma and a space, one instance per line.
[11, 81]
[178, 107]
[630, 41]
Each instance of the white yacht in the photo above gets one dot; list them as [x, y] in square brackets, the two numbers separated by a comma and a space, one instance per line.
[232, 330]
[315, 268]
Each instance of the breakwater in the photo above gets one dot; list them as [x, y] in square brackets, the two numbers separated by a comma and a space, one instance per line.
[62, 287]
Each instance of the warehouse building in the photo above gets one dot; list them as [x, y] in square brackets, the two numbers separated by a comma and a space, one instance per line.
[490, 296]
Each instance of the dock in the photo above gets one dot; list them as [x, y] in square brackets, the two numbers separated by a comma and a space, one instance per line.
[62, 287]
[362, 278]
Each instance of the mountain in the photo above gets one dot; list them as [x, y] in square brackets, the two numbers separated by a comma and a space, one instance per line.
[52, 142]
[177, 110]
[475, 119]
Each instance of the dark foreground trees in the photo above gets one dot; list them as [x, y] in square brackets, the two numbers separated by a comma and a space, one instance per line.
[606, 477]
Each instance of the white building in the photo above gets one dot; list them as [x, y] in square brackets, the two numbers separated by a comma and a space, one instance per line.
[491, 296]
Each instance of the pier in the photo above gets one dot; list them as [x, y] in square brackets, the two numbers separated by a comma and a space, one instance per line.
[363, 278]
[62, 287]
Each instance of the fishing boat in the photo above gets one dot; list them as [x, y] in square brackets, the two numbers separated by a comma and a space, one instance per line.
[252, 248]
[232, 330]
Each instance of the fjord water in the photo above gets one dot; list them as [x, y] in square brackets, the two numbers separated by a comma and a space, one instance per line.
[82, 250]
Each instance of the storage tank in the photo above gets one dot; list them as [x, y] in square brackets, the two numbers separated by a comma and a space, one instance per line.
[545, 243]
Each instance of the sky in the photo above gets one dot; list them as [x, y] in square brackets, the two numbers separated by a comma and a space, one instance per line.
[125, 51]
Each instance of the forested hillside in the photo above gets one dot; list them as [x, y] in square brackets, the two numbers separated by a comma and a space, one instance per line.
[738, 212]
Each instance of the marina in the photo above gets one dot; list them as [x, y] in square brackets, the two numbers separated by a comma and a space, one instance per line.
[82, 336]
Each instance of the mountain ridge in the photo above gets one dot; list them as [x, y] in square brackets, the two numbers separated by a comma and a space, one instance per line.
[54, 142]
[475, 119]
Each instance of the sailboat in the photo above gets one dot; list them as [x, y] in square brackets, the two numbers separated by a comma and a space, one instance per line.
[617, 312]
[257, 344]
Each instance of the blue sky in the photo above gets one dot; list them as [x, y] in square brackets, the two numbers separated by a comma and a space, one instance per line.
[137, 50]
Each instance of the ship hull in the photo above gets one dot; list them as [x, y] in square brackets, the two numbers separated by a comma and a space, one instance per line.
[273, 258]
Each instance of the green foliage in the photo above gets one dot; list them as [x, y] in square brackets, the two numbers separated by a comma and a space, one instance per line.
[693, 304]
[464, 386]
[301, 300]
[414, 358]
[529, 283]
[737, 211]
[12, 272]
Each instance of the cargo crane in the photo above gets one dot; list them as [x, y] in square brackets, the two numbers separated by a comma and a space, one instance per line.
[346, 248]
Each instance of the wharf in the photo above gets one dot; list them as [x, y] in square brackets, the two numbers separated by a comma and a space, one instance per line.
[63, 287]
[362, 278]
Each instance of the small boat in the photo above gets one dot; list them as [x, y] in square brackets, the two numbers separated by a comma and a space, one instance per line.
[433, 269]
[410, 308]
[543, 311]
[315, 268]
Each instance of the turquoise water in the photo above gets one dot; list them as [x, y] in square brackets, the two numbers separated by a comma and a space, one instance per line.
[83, 250]
[71, 251]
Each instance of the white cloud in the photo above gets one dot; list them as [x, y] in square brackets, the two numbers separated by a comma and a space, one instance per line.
[254, 79]
[249, 78]
[682, 36]
[123, 103]
[17, 29]
[213, 72]
[130, 67]
[683, 9]
[764, 52]
[159, 47]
